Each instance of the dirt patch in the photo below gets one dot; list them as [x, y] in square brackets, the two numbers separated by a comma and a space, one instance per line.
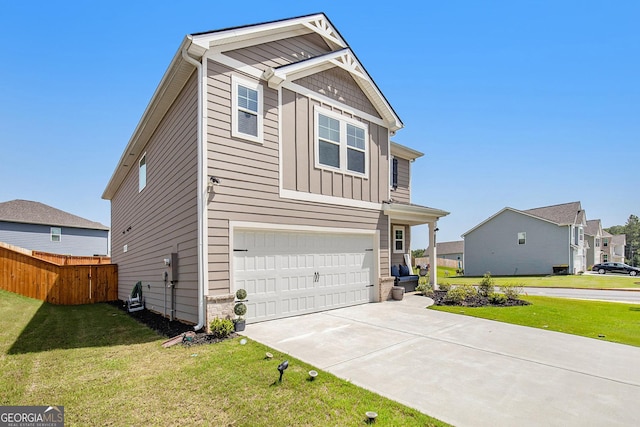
[171, 328]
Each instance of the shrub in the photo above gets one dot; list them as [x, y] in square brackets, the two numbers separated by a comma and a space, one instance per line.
[221, 328]
[425, 289]
[460, 293]
[240, 309]
[512, 291]
[444, 286]
[486, 287]
[241, 294]
[497, 299]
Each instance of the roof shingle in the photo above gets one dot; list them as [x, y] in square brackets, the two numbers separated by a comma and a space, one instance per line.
[26, 211]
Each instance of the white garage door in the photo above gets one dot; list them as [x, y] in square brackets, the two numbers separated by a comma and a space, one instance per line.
[291, 273]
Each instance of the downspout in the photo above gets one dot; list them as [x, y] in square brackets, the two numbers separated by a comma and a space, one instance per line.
[202, 198]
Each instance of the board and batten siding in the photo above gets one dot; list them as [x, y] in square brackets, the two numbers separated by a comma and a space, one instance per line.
[249, 175]
[493, 247]
[162, 218]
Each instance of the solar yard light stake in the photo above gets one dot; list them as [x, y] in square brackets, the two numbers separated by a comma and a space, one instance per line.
[281, 367]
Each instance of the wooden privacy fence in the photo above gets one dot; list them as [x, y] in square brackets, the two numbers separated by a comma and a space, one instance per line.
[57, 284]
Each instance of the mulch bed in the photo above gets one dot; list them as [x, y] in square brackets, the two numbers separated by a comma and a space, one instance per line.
[477, 301]
[171, 328]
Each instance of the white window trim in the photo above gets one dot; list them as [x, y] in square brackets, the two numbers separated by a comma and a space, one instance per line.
[59, 234]
[394, 240]
[238, 81]
[343, 142]
[524, 233]
[142, 183]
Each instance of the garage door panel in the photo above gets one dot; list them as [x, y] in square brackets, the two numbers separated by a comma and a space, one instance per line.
[291, 273]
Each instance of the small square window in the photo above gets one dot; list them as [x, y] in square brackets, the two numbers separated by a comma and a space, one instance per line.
[56, 234]
[522, 238]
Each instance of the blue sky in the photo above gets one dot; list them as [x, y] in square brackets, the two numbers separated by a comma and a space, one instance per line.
[514, 103]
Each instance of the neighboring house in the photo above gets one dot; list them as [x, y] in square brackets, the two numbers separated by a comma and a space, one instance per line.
[530, 242]
[613, 247]
[593, 235]
[38, 227]
[263, 162]
[451, 250]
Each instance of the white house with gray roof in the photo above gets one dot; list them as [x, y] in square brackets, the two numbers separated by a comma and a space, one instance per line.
[39, 227]
[528, 242]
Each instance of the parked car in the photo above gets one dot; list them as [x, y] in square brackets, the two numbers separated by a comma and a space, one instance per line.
[616, 267]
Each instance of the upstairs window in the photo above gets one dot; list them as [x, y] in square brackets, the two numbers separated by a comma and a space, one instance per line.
[247, 109]
[341, 143]
[394, 173]
[605, 242]
[597, 243]
[56, 234]
[522, 238]
[142, 172]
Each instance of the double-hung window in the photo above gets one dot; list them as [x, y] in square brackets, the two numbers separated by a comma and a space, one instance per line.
[398, 239]
[246, 109]
[522, 238]
[56, 234]
[341, 143]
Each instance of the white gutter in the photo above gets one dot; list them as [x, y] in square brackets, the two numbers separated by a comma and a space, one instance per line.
[202, 198]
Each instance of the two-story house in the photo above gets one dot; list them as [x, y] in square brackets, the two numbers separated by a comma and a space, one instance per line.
[613, 247]
[529, 242]
[39, 227]
[263, 161]
[593, 235]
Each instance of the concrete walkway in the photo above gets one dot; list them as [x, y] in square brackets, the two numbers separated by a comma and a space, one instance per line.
[463, 370]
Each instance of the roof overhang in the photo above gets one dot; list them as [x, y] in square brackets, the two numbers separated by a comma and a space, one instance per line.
[346, 60]
[404, 152]
[412, 214]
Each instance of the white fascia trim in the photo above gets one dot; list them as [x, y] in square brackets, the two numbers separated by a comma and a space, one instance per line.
[234, 64]
[330, 200]
[404, 152]
[266, 226]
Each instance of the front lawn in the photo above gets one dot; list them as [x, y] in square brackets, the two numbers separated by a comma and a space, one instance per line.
[584, 281]
[616, 322]
[107, 369]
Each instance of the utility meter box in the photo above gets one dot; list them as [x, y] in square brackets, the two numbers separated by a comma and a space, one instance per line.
[173, 267]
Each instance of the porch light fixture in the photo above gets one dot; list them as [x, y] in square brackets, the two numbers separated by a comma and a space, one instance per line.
[212, 181]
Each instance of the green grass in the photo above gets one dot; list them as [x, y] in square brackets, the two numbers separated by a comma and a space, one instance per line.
[587, 281]
[615, 322]
[107, 369]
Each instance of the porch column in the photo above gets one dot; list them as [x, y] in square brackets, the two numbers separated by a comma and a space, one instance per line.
[433, 271]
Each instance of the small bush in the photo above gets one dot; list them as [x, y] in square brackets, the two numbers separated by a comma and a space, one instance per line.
[241, 294]
[425, 289]
[512, 291]
[497, 299]
[444, 286]
[459, 294]
[486, 286]
[240, 309]
[221, 328]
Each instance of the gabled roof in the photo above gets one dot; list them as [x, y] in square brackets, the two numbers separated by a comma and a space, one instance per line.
[197, 44]
[619, 239]
[28, 212]
[446, 248]
[563, 214]
[404, 152]
[594, 227]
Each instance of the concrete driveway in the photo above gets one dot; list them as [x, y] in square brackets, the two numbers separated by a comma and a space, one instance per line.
[466, 371]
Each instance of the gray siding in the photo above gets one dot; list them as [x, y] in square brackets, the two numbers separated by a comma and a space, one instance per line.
[338, 84]
[398, 259]
[403, 192]
[250, 179]
[494, 247]
[298, 147]
[163, 217]
[73, 241]
[281, 52]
